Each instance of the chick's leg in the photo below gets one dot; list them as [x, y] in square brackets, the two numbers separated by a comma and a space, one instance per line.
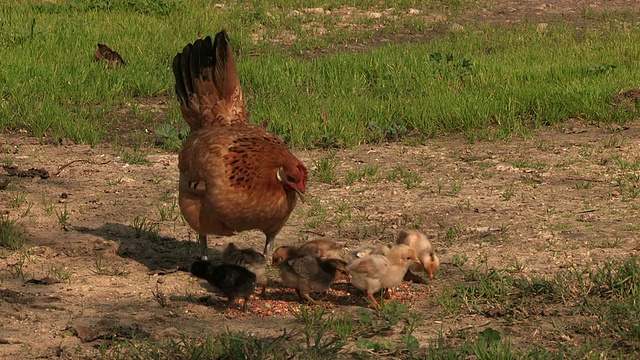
[203, 246]
[306, 296]
[264, 288]
[373, 300]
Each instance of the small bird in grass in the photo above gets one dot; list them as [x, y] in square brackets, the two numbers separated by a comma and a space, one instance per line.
[112, 58]
[234, 281]
[249, 259]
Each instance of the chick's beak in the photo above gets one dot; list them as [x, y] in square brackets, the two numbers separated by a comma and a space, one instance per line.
[345, 275]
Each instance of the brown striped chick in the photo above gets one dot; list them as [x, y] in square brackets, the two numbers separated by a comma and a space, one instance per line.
[249, 259]
[374, 272]
[308, 274]
[418, 241]
[321, 248]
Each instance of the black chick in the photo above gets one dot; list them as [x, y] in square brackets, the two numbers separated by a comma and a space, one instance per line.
[249, 259]
[234, 281]
[311, 274]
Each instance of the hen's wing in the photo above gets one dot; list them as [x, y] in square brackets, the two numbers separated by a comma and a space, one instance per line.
[228, 180]
[207, 83]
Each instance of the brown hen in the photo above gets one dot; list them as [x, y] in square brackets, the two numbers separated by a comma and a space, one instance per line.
[234, 176]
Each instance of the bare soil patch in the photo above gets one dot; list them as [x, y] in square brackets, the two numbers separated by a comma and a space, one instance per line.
[549, 202]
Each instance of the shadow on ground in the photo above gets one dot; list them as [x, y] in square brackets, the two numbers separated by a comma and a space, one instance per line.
[157, 253]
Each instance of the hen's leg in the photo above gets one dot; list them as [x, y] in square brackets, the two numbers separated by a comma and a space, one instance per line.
[203, 246]
[268, 245]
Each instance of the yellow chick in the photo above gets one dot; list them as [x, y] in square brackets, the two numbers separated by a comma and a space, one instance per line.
[418, 241]
[374, 272]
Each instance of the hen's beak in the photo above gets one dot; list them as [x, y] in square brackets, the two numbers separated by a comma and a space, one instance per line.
[301, 195]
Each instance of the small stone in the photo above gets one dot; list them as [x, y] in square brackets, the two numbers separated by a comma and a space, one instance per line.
[456, 28]
[317, 10]
[542, 28]
[86, 334]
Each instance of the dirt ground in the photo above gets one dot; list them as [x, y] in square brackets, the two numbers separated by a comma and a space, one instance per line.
[557, 199]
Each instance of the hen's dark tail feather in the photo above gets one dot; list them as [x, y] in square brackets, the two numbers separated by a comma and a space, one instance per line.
[207, 83]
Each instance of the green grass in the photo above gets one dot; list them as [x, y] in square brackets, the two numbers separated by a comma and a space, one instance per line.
[324, 169]
[368, 172]
[485, 82]
[410, 179]
[11, 237]
[605, 297]
[317, 335]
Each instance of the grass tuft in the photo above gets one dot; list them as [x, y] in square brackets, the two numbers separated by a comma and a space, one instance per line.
[10, 235]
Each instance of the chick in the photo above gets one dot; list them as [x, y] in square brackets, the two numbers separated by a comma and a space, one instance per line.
[374, 272]
[311, 274]
[418, 241]
[233, 280]
[249, 259]
[322, 248]
[368, 250]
